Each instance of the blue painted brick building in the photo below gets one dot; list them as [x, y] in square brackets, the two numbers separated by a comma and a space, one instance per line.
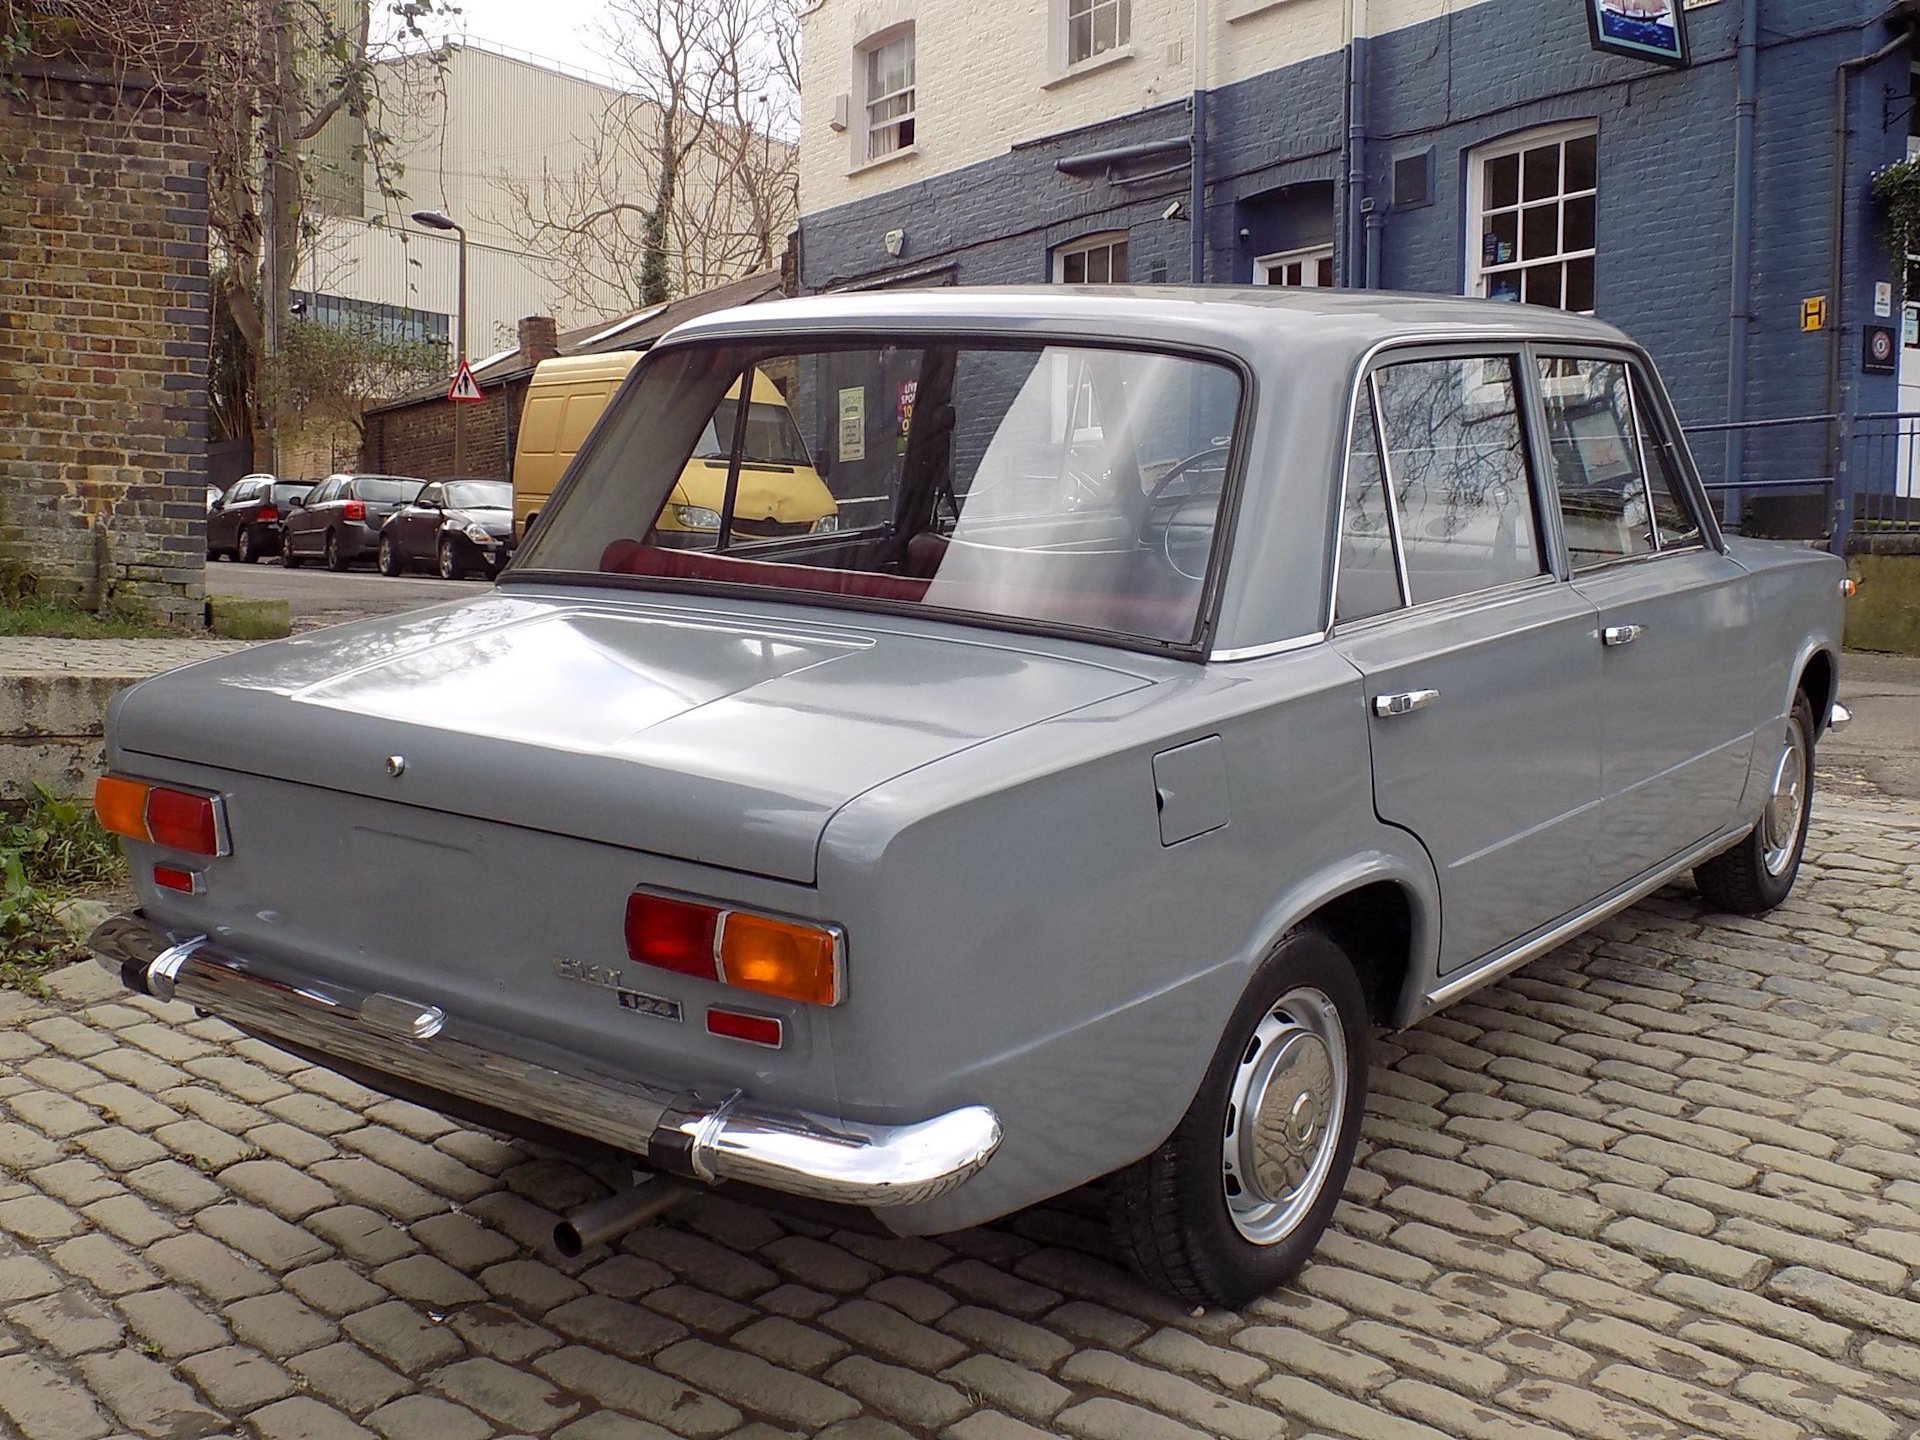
[1452, 111]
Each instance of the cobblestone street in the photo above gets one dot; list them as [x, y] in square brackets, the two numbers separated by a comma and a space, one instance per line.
[1661, 1183]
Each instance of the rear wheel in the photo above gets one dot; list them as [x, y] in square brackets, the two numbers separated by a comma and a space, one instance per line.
[388, 556]
[1234, 1201]
[449, 558]
[246, 550]
[335, 561]
[1758, 873]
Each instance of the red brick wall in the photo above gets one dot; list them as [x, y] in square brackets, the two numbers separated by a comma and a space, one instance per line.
[418, 439]
[104, 316]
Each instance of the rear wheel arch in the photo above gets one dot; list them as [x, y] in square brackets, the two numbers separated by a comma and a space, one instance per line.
[1375, 924]
[1819, 681]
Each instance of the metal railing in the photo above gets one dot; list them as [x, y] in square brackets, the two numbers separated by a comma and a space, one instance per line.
[1786, 485]
[1879, 481]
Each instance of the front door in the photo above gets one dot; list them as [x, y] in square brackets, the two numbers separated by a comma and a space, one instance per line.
[1675, 635]
[1480, 664]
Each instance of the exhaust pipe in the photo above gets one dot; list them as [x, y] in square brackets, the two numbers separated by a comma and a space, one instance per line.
[609, 1218]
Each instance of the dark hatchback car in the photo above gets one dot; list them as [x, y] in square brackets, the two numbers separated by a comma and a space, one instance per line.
[340, 521]
[246, 522]
[457, 526]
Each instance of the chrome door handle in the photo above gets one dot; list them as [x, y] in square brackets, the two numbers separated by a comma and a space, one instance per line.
[1404, 703]
[1621, 634]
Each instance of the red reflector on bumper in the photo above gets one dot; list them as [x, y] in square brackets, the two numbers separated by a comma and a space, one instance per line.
[176, 877]
[755, 1029]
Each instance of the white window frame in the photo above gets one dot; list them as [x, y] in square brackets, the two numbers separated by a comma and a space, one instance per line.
[1086, 245]
[1308, 258]
[867, 129]
[1063, 57]
[1476, 270]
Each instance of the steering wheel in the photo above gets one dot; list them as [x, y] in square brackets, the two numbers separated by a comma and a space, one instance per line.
[1156, 499]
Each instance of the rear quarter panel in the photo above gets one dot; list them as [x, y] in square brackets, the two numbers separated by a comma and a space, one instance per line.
[1018, 935]
[1798, 613]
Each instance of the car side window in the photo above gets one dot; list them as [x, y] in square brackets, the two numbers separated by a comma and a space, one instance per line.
[1673, 517]
[1457, 468]
[1598, 473]
[1368, 582]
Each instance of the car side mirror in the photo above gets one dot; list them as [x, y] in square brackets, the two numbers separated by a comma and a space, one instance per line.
[823, 460]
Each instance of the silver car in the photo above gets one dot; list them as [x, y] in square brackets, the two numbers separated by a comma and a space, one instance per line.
[1197, 679]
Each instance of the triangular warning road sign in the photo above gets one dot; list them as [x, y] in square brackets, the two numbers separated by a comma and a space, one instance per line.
[464, 386]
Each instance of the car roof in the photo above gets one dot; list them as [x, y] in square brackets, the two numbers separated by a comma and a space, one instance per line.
[1244, 318]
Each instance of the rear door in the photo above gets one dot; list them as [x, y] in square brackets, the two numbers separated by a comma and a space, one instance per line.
[1480, 661]
[1675, 635]
[306, 525]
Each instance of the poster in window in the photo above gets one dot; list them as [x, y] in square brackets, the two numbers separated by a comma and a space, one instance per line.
[1653, 30]
[853, 423]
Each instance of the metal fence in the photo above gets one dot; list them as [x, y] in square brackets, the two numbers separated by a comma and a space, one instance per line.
[1790, 486]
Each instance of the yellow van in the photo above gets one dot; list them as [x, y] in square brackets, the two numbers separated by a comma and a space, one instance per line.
[780, 493]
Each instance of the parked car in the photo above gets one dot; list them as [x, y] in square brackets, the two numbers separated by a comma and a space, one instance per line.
[1231, 671]
[214, 492]
[247, 522]
[566, 395]
[456, 526]
[339, 522]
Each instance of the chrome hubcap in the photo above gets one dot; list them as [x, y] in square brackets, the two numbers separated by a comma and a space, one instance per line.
[1284, 1116]
[1780, 826]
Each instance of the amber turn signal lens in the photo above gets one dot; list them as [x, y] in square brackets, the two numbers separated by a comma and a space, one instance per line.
[780, 957]
[121, 806]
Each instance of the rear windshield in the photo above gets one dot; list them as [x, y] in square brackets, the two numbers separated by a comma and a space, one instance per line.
[480, 495]
[1061, 486]
[386, 491]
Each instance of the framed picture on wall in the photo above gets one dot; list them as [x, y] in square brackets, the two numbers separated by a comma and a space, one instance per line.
[1653, 30]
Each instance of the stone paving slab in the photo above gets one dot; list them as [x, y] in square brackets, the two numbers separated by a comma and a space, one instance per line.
[1661, 1184]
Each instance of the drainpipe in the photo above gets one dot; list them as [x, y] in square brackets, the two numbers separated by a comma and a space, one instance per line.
[1197, 201]
[1836, 274]
[1740, 313]
[1358, 266]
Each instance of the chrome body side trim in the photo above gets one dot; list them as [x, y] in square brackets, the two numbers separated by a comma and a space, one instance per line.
[1501, 962]
[712, 1138]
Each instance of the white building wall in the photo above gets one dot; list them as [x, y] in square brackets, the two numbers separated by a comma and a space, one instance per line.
[457, 133]
[987, 76]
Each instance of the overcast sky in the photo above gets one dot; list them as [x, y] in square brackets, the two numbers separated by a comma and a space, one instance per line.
[551, 29]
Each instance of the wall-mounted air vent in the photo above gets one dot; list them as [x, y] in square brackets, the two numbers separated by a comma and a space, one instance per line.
[1413, 180]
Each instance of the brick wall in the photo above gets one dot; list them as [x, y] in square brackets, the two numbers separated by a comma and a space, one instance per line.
[1483, 72]
[104, 316]
[417, 439]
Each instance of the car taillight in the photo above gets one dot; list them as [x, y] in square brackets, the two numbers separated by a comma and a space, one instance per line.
[267, 512]
[788, 958]
[354, 510]
[178, 877]
[177, 819]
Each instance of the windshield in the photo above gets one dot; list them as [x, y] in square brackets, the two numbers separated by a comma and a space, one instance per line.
[1044, 484]
[385, 491]
[480, 495]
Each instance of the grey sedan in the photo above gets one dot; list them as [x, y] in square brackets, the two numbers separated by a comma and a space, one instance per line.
[1220, 674]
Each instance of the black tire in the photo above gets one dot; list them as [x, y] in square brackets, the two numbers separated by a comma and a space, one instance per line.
[388, 556]
[335, 561]
[246, 550]
[1171, 1214]
[448, 560]
[288, 559]
[1758, 873]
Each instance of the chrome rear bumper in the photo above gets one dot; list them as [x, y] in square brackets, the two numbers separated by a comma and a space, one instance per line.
[710, 1137]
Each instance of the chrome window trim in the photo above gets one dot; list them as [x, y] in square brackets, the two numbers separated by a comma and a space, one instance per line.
[1465, 600]
[1634, 386]
[1261, 652]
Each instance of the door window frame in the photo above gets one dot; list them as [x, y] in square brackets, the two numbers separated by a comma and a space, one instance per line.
[1645, 394]
[1531, 417]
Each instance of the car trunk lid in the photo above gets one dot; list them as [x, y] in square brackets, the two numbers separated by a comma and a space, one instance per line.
[727, 739]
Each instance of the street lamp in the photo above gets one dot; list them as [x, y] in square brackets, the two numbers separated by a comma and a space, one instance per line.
[435, 220]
